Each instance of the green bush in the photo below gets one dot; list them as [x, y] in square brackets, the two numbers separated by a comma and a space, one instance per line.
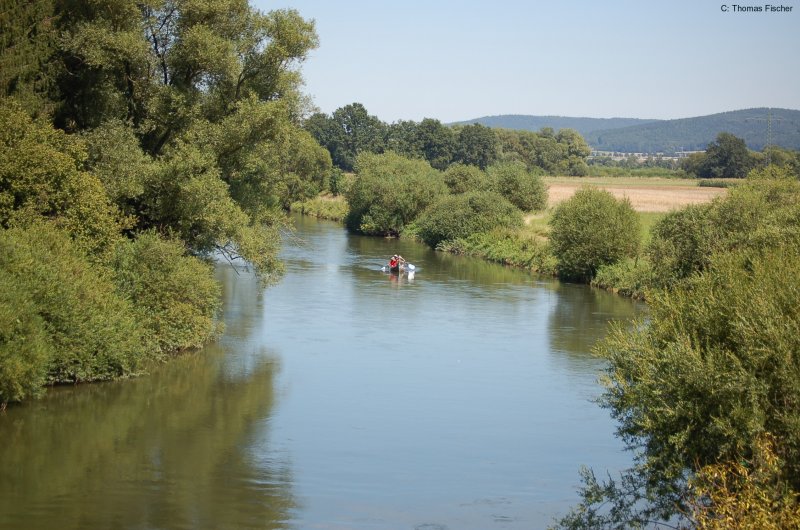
[25, 348]
[592, 229]
[760, 213]
[716, 367]
[92, 329]
[175, 296]
[389, 192]
[711, 369]
[629, 277]
[41, 176]
[458, 216]
[461, 178]
[527, 191]
[681, 244]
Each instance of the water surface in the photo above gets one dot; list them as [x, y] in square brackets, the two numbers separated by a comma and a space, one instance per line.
[342, 397]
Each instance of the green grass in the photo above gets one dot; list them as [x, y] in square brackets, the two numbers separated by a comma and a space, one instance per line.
[333, 207]
[648, 220]
[641, 172]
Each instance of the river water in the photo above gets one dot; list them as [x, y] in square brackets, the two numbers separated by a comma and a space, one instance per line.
[341, 398]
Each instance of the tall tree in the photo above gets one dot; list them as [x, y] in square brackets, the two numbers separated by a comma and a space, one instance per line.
[726, 157]
[476, 145]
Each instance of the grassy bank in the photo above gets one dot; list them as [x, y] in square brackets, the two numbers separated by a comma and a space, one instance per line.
[324, 206]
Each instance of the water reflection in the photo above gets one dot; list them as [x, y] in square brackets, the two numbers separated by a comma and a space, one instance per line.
[185, 447]
[581, 316]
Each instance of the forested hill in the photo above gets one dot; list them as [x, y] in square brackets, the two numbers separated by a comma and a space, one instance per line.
[694, 134]
[666, 136]
[536, 123]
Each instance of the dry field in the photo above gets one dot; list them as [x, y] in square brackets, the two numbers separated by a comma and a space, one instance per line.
[645, 194]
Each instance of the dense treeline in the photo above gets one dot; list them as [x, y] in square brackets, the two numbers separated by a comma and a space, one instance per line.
[137, 140]
[351, 130]
[729, 157]
[584, 126]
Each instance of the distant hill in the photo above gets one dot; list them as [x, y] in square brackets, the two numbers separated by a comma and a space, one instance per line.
[535, 123]
[632, 135]
[694, 134]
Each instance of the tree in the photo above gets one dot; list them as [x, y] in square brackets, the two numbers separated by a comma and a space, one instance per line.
[476, 145]
[591, 229]
[577, 150]
[211, 94]
[726, 157]
[42, 177]
[522, 188]
[389, 192]
[437, 143]
[28, 40]
[354, 131]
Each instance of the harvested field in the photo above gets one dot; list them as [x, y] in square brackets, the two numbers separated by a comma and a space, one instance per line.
[655, 196]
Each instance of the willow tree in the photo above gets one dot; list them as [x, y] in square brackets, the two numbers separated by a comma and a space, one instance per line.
[199, 95]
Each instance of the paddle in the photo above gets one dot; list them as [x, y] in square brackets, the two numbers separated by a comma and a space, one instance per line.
[410, 267]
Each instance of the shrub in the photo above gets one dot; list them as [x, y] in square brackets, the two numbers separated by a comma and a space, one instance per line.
[92, 329]
[389, 192]
[745, 492]
[174, 295]
[457, 216]
[628, 277]
[25, 348]
[461, 178]
[524, 189]
[514, 247]
[681, 244]
[712, 368]
[718, 183]
[760, 213]
[592, 229]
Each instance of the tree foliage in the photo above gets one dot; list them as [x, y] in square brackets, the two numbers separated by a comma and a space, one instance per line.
[712, 370]
[164, 130]
[42, 177]
[174, 296]
[726, 157]
[525, 190]
[459, 216]
[84, 329]
[461, 178]
[477, 146]
[744, 493]
[760, 214]
[389, 192]
[592, 229]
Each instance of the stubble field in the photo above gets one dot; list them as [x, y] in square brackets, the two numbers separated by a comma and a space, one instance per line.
[647, 195]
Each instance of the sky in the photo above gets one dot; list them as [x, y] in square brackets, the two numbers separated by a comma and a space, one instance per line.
[459, 60]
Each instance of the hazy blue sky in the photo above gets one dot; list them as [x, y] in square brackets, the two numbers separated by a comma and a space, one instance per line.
[599, 58]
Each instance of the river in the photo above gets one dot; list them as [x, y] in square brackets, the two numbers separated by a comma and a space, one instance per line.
[341, 398]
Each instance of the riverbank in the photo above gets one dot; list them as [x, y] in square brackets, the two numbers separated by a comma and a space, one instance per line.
[527, 247]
